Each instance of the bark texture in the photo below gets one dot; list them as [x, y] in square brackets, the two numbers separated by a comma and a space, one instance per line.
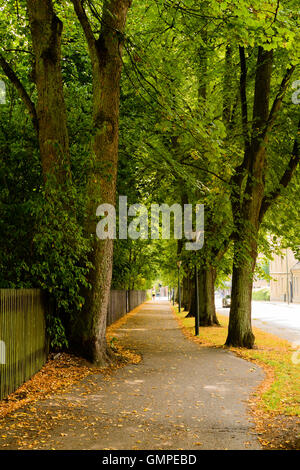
[105, 53]
[187, 284]
[206, 285]
[12, 76]
[46, 31]
[240, 330]
[246, 207]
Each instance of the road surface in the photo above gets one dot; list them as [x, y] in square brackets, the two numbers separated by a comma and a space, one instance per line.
[278, 318]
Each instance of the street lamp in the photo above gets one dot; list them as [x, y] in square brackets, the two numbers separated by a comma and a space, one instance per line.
[196, 238]
[179, 293]
[287, 278]
[197, 315]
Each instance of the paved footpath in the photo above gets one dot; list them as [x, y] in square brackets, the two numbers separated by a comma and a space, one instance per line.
[181, 396]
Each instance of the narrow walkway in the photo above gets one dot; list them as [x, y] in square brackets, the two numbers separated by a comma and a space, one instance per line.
[180, 396]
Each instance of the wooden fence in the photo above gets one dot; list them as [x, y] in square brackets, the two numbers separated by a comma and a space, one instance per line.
[23, 341]
[136, 297]
[118, 305]
[122, 302]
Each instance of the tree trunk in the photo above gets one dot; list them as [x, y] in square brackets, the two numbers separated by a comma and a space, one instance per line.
[192, 309]
[203, 65]
[186, 292]
[105, 53]
[46, 30]
[247, 206]
[228, 80]
[239, 329]
[208, 315]
[206, 285]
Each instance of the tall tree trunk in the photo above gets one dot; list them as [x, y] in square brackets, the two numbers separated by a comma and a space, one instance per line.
[186, 291]
[208, 316]
[228, 79]
[240, 330]
[207, 309]
[247, 209]
[105, 53]
[46, 30]
[203, 64]
[250, 205]
[189, 292]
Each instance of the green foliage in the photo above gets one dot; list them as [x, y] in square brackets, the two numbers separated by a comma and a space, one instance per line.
[41, 228]
[20, 180]
[112, 343]
[56, 332]
[175, 143]
[261, 294]
[58, 235]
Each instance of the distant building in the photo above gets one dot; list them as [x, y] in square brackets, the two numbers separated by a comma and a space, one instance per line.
[163, 292]
[285, 278]
[260, 283]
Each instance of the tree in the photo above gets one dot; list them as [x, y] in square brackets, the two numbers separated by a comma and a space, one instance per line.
[192, 72]
[46, 30]
[49, 205]
[49, 116]
[105, 54]
[248, 198]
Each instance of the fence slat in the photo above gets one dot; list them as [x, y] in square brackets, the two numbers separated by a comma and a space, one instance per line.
[117, 306]
[23, 337]
[23, 341]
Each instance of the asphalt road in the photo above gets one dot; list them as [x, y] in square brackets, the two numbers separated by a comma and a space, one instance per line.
[278, 318]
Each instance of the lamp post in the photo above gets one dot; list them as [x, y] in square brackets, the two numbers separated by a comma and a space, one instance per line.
[179, 293]
[287, 278]
[197, 315]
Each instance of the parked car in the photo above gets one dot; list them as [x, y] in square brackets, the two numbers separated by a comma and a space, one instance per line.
[226, 301]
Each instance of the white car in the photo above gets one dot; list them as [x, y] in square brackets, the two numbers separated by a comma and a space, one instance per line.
[226, 301]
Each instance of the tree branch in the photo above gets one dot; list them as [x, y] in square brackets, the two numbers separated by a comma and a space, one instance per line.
[19, 50]
[279, 99]
[285, 179]
[276, 12]
[243, 93]
[11, 75]
[261, 102]
[205, 171]
[263, 137]
[86, 25]
[238, 177]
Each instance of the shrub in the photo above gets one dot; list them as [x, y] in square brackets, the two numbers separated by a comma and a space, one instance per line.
[262, 294]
